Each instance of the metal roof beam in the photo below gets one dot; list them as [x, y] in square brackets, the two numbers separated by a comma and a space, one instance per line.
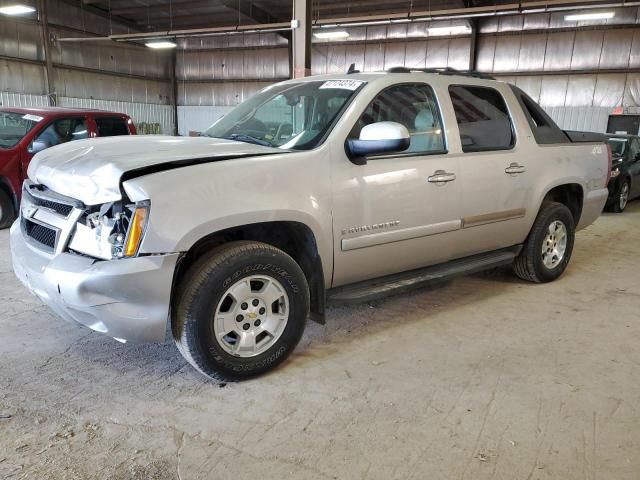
[251, 10]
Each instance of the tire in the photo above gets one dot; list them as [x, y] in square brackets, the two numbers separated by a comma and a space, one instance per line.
[224, 285]
[622, 197]
[533, 264]
[7, 212]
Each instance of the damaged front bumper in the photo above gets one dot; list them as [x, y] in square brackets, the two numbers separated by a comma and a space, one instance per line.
[127, 299]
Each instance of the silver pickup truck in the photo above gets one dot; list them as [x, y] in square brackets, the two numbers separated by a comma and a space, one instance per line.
[334, 188]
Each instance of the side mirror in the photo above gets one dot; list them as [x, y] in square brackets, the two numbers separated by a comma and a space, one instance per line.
[37, 146]
[376, 138]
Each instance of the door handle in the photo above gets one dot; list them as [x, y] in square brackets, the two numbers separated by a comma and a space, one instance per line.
[515, 168]
[440, 176]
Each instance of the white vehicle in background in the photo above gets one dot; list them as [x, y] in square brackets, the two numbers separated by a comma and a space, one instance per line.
[339, 187]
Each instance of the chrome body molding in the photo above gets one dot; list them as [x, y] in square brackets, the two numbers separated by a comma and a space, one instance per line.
[399, 235]
[493, 217]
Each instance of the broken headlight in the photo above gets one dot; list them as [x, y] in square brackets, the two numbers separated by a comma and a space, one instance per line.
[112, 230]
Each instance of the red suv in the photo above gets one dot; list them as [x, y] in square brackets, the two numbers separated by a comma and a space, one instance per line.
[27, 131]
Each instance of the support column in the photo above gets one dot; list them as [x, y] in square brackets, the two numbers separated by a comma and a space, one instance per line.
[301, 38]
[174, 91]
[46, 42]
[473, 45]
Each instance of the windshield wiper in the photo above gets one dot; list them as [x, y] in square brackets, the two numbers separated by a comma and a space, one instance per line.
[240, 137]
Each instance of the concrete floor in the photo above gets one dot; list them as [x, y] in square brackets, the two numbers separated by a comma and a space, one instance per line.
[486, 377]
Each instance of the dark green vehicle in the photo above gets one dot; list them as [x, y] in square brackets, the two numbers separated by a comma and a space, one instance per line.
[624, 184]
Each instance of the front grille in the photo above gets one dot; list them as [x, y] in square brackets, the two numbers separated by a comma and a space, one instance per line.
[60, 208]
[44, 236]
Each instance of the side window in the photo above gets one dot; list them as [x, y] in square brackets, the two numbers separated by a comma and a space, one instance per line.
[412, 105]
[111, 126]
[61, 131]
[483, 118]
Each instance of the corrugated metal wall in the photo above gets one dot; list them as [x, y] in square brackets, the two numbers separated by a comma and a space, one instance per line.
[141, 113]
[578, 71]
[123, 77]
[224, 71]
[555, 20]
[215, 73]
[560, 51]
[579, 76]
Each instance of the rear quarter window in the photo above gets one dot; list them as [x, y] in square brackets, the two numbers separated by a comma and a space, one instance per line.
[111, 126]
[544, 129]
[483, 118]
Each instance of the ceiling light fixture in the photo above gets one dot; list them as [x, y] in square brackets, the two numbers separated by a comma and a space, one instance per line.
[576, 17]
[449, 30]
[336, 34]
[16, 10]
[162, 44]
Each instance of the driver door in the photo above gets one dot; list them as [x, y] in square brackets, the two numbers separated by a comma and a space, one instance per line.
[391, 214]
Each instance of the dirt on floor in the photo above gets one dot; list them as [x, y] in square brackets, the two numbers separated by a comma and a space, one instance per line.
[485, 377]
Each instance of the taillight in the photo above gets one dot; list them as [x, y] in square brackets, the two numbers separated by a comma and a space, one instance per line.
[610, 163]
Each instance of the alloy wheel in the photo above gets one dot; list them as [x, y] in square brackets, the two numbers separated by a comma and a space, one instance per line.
[554, 244]
[624, 196]
[251, 316]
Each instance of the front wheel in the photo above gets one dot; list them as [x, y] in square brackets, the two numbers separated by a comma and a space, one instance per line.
[547, 251]
[241, 310]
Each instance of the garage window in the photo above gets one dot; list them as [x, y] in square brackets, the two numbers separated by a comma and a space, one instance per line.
[483, 118]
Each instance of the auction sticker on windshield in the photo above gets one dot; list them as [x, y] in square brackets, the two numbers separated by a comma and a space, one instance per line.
[342, 84]
[33, 118]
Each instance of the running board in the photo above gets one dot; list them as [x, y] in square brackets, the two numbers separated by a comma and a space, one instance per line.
[401, 282]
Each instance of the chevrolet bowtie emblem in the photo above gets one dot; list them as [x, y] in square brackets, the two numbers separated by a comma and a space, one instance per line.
[251, 315]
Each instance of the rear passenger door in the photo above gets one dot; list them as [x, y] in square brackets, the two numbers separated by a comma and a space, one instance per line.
[493, 176]
[111, 126]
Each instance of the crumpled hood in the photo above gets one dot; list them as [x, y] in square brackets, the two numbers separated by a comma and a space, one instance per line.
[91, 170]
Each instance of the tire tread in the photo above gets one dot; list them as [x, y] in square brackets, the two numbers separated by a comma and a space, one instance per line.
[524, 264]
[195, 277]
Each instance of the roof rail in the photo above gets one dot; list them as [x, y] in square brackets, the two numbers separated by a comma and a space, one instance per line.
[442, 71]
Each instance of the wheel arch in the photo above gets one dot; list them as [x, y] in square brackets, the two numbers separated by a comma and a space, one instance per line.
[292, 237]
[5, 186]
[570, 194]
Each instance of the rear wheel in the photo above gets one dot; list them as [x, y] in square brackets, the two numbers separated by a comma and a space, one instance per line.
[622, 198]
[240, 311]
[548, 249]
[7, 212]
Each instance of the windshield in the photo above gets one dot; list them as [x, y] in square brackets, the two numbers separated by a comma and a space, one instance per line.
[14, 126]
[618, 146]
[290, 116]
